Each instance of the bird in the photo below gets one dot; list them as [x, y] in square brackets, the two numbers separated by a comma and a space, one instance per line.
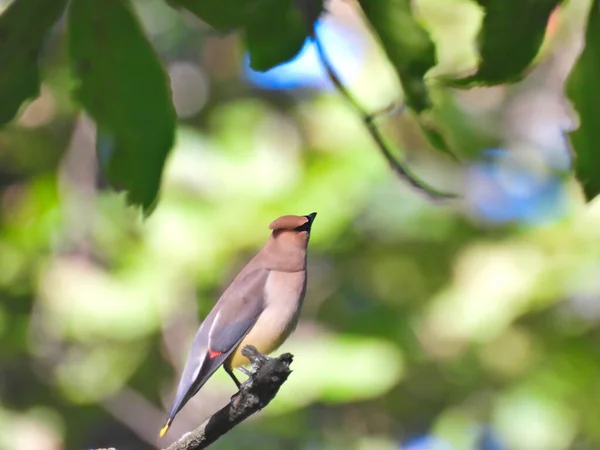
[260, 307]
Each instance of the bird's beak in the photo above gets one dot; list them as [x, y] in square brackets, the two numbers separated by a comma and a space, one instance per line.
[311, 217]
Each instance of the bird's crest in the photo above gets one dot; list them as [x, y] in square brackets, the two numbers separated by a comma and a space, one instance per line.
[291, 222]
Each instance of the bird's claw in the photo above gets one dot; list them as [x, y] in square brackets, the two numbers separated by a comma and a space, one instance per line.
[245, 371]
[257, 359]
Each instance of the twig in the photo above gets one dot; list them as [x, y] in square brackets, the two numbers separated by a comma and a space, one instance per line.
[400, 168]
[268, 374]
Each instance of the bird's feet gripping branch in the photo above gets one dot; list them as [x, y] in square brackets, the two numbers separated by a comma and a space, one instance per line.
[267, 375]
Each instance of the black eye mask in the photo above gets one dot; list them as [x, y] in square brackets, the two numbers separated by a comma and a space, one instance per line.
[304, 227]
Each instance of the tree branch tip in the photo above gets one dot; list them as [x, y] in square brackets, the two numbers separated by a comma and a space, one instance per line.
[267, 376]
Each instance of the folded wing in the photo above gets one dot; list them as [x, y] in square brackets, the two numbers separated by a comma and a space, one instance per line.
[223, 329]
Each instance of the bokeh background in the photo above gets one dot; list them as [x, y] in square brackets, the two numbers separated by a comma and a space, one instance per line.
[457, 325]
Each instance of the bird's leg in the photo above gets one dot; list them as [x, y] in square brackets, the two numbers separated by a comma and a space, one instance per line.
[230, 373]
[245, 371]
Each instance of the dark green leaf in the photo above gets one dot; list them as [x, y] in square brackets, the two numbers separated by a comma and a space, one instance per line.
[435, 138]
[509, 40]
[583, 89]
[407, 45]
[23, 27]
[124, 88]
[412, 53]
[276, 33]
[275, 30]
[224, 15]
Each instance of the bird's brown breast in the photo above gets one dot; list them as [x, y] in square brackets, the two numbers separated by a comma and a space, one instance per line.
[284, 293]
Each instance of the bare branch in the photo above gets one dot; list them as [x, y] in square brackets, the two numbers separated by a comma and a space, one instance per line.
[400, 168]
[268, 374]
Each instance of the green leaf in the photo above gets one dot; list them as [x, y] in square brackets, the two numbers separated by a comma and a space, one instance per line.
[584, 91]
[23, 27]
[407, 45]
[412, 53]
[223, 15]
[509, 40]
[276, 34]
[275, 30]
[125, 90]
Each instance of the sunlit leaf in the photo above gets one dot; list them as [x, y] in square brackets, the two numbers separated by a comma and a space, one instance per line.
[90, 374]
[23, 27]
[412, 53]
[336, 369]
[123, 86]
[89, 304]
[530, 419]
[406, 43]
[584, 91]
[509, 40]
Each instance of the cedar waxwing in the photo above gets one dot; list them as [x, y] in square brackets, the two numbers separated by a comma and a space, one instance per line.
[260, 308]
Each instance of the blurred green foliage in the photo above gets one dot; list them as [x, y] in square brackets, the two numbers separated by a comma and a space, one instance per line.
[419, 319]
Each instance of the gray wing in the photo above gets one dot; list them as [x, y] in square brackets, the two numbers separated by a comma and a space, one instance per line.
[223, 329]
[241, 305]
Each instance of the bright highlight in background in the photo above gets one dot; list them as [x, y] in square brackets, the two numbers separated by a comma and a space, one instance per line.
[504, 188]
[344, 49]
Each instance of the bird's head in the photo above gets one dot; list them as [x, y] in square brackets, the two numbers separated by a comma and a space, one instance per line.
[293, 229]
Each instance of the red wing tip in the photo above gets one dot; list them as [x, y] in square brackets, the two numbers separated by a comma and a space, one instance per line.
[212, 354]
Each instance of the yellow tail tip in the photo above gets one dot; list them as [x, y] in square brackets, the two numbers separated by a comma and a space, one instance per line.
[164, 429]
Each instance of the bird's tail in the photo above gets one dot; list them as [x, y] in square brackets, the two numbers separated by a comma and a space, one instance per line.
[164, 429]
[190, 384]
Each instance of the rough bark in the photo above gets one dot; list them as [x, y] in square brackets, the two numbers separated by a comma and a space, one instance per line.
[268, 374]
